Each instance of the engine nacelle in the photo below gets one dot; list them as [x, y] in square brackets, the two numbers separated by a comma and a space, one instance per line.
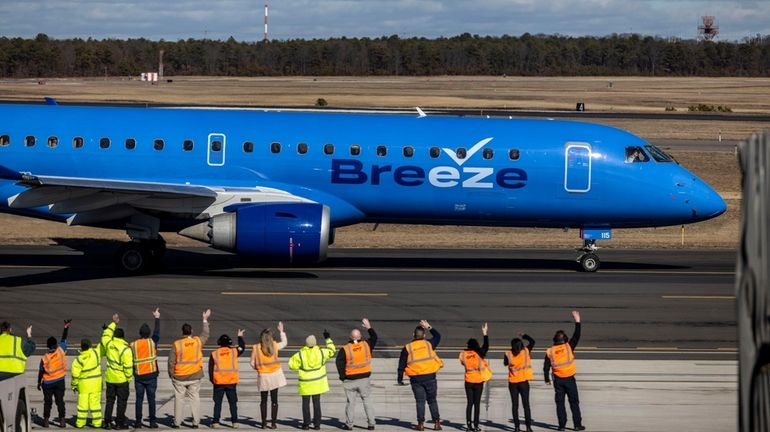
[279, 232]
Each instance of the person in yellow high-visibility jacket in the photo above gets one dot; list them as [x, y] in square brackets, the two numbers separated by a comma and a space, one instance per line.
[120, 370]
[14, 351]
[86, 373]
[310, 364]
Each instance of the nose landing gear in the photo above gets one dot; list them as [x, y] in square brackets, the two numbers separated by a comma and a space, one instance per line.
[588, 259]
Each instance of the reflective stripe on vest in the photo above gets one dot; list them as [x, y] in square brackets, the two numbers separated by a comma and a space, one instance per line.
[427, 364]
[145, 356]
[519, 367]
[54, 365]
[189, 361]
[225, 370]
[564, 365]
[478, 372]
[358, 358]
[12, 358]
[307, 369]
[265, 364]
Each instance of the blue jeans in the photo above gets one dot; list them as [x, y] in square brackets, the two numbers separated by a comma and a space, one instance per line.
[141, 387]
[220, 391]
[426, 391]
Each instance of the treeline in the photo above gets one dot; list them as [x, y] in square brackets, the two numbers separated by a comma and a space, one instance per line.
[461, 55]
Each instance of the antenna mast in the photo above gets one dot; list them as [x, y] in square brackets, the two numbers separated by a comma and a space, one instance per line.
[266, 15]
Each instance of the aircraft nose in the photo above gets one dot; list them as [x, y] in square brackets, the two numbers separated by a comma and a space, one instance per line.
[707, 203]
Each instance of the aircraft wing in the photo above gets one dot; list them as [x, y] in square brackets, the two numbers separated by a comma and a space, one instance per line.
[94, 200]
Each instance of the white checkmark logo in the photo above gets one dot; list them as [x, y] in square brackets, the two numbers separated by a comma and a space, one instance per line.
[453, 154]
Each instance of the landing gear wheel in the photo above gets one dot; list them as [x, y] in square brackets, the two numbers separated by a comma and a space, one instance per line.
[133, 258]
[590, 262]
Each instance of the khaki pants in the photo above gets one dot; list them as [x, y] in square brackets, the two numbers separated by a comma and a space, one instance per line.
[354, 388]
[187, 390]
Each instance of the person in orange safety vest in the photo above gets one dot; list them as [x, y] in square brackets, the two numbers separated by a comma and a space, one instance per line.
[519, 363]
[477, 372]
[354, 366]
[145, 352]
[223, 373]
[185, 368]
[50, 378]
[560, 359]
[420, 363]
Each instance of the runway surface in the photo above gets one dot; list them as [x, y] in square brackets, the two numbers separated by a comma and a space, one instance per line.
[675, 304]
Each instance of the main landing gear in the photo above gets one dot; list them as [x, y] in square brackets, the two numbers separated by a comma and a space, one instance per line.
[588, 259]
[146, 249]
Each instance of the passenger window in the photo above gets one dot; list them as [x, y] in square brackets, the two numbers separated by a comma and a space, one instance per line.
[29, 141]
[329, 149]
[248, 147]
[382, 151]
[77, 142]
[488, 153]
[216, 146]
[408, 151]
[513, 154]
[188, 145]
[461, 153]
[130, 143]
[5, 140]
[435, 152]
[53, 141]
[355, 150]
[158, 144]
[104, 143]
[636, 154]
[275, 147]
[301, 148]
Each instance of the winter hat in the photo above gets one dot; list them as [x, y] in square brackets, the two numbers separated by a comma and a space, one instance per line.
[310, 341]
[224, 341]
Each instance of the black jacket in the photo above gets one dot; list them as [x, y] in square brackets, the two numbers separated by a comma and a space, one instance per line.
[573, 341]
[342, 359]
[434, 341]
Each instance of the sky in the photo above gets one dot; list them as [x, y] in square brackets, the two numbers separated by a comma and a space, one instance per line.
[292, 19]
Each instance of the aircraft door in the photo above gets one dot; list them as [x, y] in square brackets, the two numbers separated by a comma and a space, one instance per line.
[216, 149]
[577, 167]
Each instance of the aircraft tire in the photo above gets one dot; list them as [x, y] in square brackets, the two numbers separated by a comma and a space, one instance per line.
[590, 263]
[133, 258]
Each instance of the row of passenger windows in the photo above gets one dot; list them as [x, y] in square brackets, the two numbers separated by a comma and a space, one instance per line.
[248, 147]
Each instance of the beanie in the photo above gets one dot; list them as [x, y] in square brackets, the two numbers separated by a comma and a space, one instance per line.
[310, 341]
[85, 344]
[224, 341]
[119, 333]
[51, 342]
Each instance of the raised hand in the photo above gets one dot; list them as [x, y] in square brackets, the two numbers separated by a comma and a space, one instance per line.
[206, 314]
[115, 318]
[484, 329]
[241, 332]
[367, 325]
[67, 323]
[327, 335]
[576, 316]
[156, 313]
[424, 324]
[29, 331]
[280, 326]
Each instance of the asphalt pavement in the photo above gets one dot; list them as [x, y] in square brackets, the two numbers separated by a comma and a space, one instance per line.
[642, 304]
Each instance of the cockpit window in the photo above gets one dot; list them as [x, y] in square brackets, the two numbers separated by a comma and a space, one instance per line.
[636, 154]
[658, 154]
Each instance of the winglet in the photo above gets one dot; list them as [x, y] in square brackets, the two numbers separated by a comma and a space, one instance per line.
[9, 174]
[420, 112]
[50, 101]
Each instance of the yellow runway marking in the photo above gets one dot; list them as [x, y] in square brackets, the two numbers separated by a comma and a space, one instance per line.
[657, 348]
[698, 297]
[303, 294]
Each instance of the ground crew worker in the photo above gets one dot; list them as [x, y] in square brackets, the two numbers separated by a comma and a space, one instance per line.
[145, 352]
[561, 359]
[87, 383]
[310, 364]
[185, 368]
[223, 372]
[354, 365]
[420, 363]
[120, 370]
[14, 351]
[264, 359]
[477, 372]
[519, 363]
[50, 377]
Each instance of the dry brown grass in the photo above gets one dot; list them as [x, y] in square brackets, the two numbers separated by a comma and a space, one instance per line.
[719, 169]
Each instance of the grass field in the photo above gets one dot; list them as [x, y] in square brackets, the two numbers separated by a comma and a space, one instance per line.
[632, 94]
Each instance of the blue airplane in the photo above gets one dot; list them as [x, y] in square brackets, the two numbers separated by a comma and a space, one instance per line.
[274, 185]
